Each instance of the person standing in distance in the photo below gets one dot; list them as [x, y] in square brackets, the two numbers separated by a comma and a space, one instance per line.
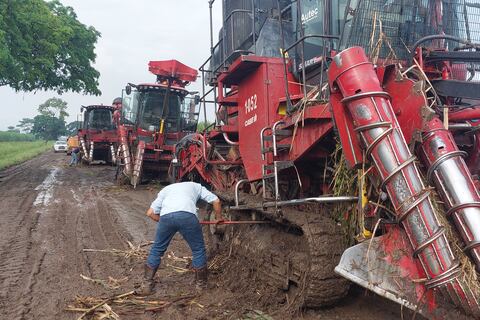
[175, 210]
[75, 155]
[117, 113]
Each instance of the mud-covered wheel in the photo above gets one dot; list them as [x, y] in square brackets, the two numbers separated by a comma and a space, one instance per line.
[323, 287]
[298, 256]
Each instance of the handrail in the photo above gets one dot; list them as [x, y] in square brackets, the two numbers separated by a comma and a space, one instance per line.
[206, 94]
[230, 142]
[213, 48]
[322, 36]
[274, 136]
[236, 11]
[237, 186]
[262, 141]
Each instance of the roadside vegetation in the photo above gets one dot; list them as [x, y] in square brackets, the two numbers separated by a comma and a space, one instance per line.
[6, 136]
[12, 153]
[18, 147]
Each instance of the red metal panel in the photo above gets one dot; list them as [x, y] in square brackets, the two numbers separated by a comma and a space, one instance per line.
[253, 115]
[407, 100]
[306, 139]
[173, 69]
[259, 92]
[348, 137]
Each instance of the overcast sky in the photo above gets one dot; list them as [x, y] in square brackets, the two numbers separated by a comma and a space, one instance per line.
[132, 33]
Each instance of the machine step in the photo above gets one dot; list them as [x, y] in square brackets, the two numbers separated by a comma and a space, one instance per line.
[280, 147]
[280, 134]
[280, 165]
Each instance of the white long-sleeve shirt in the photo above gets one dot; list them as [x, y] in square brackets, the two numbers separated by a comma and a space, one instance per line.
[182, 196]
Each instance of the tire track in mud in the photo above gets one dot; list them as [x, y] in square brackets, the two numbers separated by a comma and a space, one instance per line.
[96, 238]
[130, 212]
[42, 255]
[40, 244]
[18, 220]
[50, 213]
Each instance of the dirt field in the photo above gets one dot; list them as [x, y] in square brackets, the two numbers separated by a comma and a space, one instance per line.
[50, 213]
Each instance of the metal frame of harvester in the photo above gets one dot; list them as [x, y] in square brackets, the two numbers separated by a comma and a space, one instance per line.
[155, 116]
[98, 135]
[395, 84]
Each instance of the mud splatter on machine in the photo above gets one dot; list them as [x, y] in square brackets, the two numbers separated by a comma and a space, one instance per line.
[155, 116]
[395, 84]
[98, 135]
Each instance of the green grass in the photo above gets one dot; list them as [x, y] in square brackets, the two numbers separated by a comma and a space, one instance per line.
[17, 152]
[15, 136]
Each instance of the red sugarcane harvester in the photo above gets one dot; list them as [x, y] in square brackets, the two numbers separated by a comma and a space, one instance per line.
[98, 135]
[395, 84]
[155, 116]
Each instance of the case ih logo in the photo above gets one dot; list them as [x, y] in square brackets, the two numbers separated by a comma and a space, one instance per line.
[251, 105]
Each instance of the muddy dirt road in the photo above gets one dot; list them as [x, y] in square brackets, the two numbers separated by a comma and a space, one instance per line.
[50, 213]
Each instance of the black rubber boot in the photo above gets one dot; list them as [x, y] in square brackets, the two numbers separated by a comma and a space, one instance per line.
[148, 283]
[201, 278]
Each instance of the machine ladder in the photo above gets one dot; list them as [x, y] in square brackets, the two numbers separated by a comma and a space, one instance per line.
[269, 142]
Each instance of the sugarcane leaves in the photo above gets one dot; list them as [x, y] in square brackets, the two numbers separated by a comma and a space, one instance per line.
[44, 46]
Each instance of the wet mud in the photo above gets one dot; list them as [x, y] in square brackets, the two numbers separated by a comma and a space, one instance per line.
[50, 213]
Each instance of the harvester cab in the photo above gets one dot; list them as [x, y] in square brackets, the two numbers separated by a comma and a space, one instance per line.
[155, 116]
[365, 109]
[98, 135]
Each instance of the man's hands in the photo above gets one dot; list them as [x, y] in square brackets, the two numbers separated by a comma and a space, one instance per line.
[152, 215]
[217, 209]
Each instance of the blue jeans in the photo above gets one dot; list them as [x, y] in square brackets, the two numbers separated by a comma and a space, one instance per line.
[74, 159]
[189, 227]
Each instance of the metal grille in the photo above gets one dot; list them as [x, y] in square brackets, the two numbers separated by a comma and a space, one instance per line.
[389, 28]
[238, 25]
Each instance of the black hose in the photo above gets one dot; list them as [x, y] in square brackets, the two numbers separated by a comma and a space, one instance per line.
[437, 37]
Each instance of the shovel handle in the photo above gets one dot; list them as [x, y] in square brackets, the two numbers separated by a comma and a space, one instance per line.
[233, 222]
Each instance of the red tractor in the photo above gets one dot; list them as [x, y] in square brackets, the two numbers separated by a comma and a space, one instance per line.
[155, 116]
[98, 135]
[363, 114]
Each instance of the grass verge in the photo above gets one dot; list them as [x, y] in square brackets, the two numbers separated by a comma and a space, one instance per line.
[12, 153]
[15, 136]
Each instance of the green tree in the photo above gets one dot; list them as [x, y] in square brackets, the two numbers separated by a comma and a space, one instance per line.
[54, 107]
[12, 129]
[47, 127]
[73, 127]
[44, 46]
[50, 123]
[25, 125]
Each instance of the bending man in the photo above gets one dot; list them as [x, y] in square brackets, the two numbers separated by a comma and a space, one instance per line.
[175, 210]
